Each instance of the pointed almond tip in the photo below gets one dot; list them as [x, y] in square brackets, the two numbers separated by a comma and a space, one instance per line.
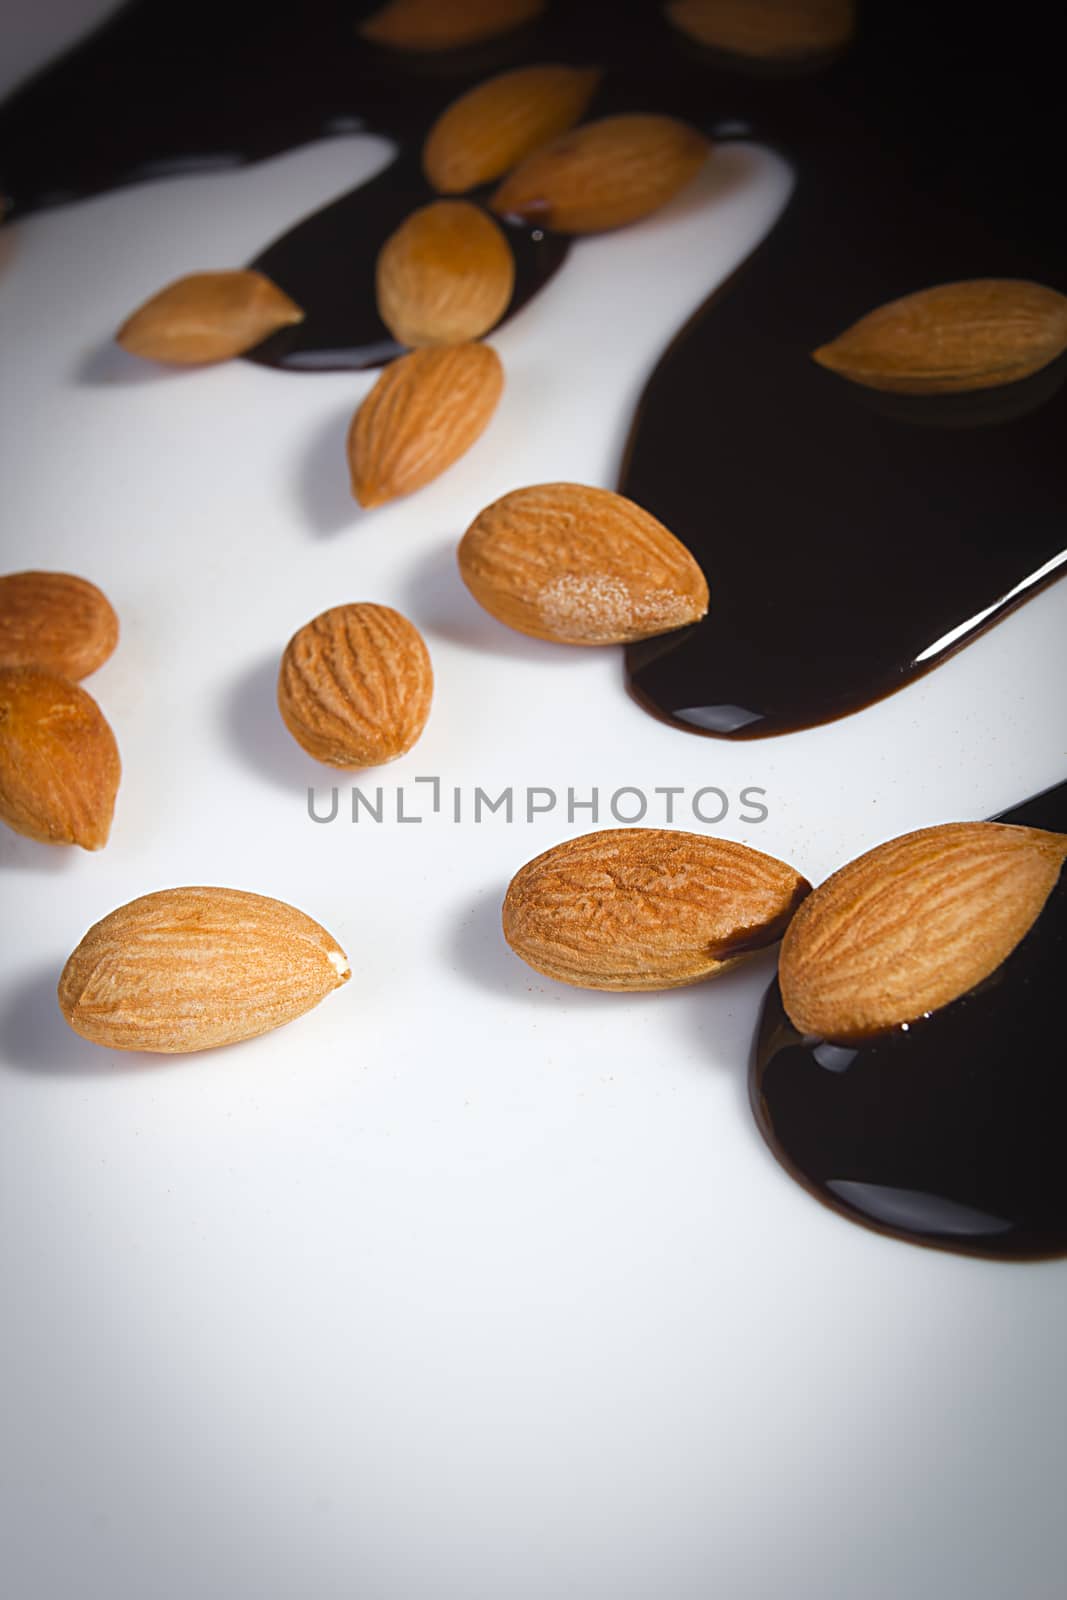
[341, 966]
[506, 203]
[369, 495]
[1053, 846]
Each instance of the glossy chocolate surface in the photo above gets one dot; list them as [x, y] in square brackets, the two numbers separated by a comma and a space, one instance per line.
[948, 1132]
[851, 540]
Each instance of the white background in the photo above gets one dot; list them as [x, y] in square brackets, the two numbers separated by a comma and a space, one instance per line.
[466, 1284]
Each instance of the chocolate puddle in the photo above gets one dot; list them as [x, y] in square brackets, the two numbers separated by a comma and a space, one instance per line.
[948, 1132]
[325, 265]
[851, 540]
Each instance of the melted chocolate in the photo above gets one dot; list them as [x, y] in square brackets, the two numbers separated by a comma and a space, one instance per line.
[325, 265]
[947, 1132]
[851, 540]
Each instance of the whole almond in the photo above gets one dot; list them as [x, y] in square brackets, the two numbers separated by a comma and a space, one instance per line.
[604, 174]
[445, 24]
[59, 763]
[955, 337]
[55, 621]
[486, 131]
[208, 316]
[445, 276]
[766, 29]
[424, 412]
[191, 968]
[914, 924]
[647, 908]
[355, 685]
[578, 565]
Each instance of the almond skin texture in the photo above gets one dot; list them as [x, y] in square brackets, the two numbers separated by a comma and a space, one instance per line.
[445, 276]
[424, 412]
[913, 925]
[206, 317]
[604, 174]
[769, 30]
[647, 908]
[59, 763]
[355, 686]
[487, 130]
[445, 24]
[578, 565]
[955, 337]
[55, 621]
[188, 969]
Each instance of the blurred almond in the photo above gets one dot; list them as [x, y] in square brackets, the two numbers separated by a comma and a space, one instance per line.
[424, 412]
[445, 276]
[647, 908]
[958, 336]
[355, 685]
[59, 763]
[491, 127]
[56, 621]
[208, 316]
[603, 174]
[191, 968]
[914, 924]
[766, 29]
[578, 565]
[445, 24]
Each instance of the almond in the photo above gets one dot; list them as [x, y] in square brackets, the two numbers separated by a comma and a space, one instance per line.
[445, 24]
[581, 566]
[955, 337]
[56, 621]
[487, 130]
[355, 685]
[59, 763]
[445, 275]
[913, 925]
[424, 412]
[207, 316]
[191, 968]
[604, 174]
[647, 908]
[767, 29]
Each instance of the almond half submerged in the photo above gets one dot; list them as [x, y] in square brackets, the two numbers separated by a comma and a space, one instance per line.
[579, 565]
[59, 763]
[355, 685]
[486, 131]
[914, 924]
[604, 174]
[55, 621]
[445, 276]
[206, 317]
[424, 412]
[191, 968]
[445, 24]
[978, 334]
[647, 908]
[768, 30]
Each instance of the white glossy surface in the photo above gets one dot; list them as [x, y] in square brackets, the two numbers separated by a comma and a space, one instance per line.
[465, 1285]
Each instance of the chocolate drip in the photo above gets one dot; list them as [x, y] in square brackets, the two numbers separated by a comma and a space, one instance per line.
[947, 1132]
